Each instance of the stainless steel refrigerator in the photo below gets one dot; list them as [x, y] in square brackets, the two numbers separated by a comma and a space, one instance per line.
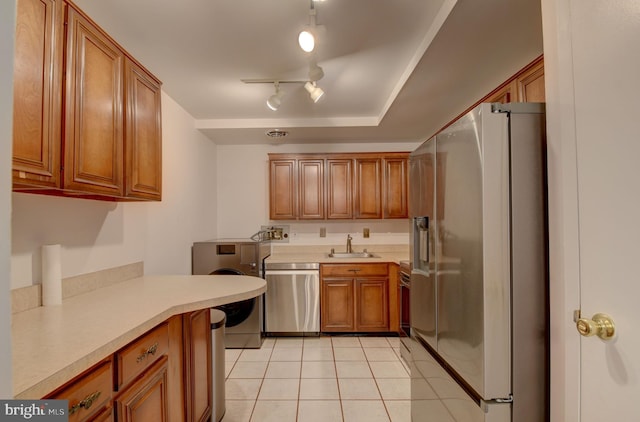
[479, 269]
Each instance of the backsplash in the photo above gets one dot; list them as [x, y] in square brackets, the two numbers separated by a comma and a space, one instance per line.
[277, 249]
[380, 232]
[25, 298]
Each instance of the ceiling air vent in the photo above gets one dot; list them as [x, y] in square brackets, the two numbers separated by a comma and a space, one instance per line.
[277, 133]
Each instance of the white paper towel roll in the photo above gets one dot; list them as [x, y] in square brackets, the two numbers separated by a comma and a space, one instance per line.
[51, 275]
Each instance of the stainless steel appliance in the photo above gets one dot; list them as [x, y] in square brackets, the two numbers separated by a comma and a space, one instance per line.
[243, 328]
[292, 300]
[479, 260]
[405, 314]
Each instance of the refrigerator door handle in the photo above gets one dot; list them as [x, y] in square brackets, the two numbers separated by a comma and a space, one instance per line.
[484, 404]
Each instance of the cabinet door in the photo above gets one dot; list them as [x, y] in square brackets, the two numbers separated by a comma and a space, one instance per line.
[311, 193]
[504, 94]
[146, 399]
[339, 188]
[143, 137]
[93, 158]
[337, 305]
[37, 100]
[197, 347]
[368, 188]
[282, 190]
[530, 84]
[395, 188]
[371, 304]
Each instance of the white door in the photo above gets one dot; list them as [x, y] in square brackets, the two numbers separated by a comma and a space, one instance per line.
[606, 60]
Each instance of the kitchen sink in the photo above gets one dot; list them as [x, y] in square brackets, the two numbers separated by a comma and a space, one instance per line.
[363, 254]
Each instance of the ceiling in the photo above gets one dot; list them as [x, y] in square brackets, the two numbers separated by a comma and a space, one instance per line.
[395, 70]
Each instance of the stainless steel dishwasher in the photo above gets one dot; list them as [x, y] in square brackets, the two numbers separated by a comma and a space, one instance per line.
[292, 300]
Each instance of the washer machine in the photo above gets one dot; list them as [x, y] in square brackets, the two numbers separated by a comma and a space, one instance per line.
[244, 326]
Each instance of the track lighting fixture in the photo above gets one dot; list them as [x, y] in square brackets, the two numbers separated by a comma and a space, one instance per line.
[315, 72]
[274, 101]
[315, 92]
[307, 37]
[307, 40]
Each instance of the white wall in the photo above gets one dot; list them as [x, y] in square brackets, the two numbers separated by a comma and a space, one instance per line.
[243, 191]
[188, 209]
[96, 235]
[7, 25]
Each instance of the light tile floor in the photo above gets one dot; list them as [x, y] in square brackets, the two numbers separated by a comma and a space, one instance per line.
[328, 379]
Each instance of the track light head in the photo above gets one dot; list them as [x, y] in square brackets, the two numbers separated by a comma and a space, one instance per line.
[315, 72]
[307, 40]
[315, 92]
[275, 100]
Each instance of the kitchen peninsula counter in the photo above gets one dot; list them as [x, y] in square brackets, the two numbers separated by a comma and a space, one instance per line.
[52, 344]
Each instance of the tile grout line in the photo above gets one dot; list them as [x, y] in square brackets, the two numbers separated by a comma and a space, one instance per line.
[307, 347]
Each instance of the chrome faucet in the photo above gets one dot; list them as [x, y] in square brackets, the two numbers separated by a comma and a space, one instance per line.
[349, 250]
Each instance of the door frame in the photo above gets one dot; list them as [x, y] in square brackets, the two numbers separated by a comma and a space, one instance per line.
[564, 248]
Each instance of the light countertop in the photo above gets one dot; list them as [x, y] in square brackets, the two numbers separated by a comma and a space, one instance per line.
[52, 344]
[320, 254]
[323, 258]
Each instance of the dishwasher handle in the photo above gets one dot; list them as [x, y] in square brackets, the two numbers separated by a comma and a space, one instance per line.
[291, 272]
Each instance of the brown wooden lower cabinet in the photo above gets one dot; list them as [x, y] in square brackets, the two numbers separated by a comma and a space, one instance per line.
[337, 305]
[163, 375]
[197, 356]
[146, 399]
[372, 310]
[88, 394]
[354, 298]
[105, 416]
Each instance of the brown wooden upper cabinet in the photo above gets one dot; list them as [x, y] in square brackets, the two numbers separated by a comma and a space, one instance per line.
[283, 182]
[110, 116]
[143, 133]
[94, 139]
[395, 188]
[37, 104]
[311, 189]
[338, 186]
[368, 188]
[525, 86]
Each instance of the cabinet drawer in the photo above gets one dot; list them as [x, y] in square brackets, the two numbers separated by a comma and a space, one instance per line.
[141, 353]
[354, 270]
[88, 393]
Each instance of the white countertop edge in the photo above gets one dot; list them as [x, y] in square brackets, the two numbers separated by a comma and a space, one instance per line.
[53, 344]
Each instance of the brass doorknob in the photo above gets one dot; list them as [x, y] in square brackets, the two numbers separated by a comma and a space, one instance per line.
[600, 325]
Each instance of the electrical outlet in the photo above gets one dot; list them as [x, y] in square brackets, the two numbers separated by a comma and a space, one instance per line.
[323, 232]
[365, 232]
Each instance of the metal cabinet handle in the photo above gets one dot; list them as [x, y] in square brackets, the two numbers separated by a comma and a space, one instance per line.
[150, 351]
[84, 403]
[355, 270]
[600, 325]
